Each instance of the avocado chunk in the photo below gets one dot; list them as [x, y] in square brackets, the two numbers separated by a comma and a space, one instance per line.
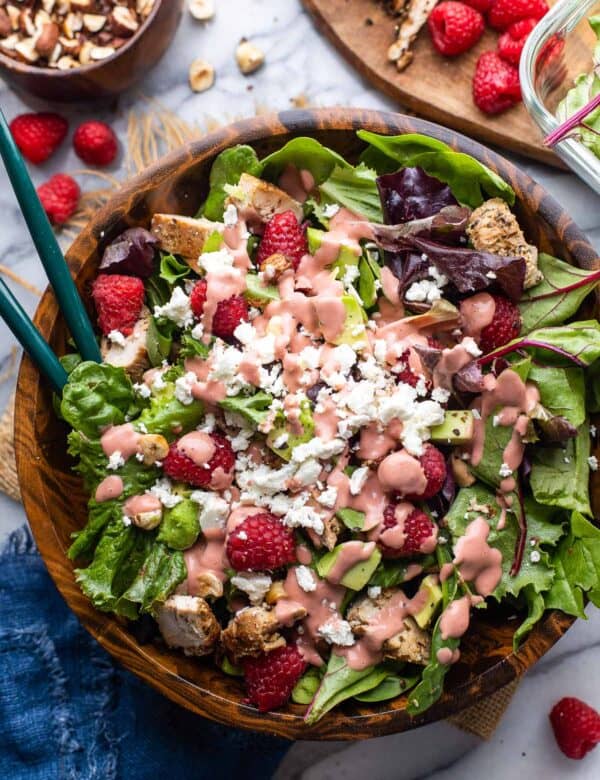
[346, 256]
[354, 332]
[180, 526]
[256, 291]
[281, 428]
[355, 578]
[434, 599]
[457, 428]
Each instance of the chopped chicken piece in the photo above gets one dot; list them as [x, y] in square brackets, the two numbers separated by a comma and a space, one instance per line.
[184, 236]
[412, 645]
[251, 632]
[262, 198]
[188, 623]
[132, 354]
[408, 30]
[494, 228]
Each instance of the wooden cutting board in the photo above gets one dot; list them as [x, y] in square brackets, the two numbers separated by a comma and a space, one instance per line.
[434, 87]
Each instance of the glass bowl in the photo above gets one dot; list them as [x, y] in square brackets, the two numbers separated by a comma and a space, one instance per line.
[559, 49]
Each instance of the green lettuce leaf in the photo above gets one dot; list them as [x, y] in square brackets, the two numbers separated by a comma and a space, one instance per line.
[355, 189]
[254, 408]
[564, 345]
[560, 477]
[97, 395]
[304, 154]
[227, 169]
[281, 426]
[307, 686]
[99, 517]
[497, 438]
[192, 348]
[562, 391]
[162, 571]
[564, 302]
[168, 416]
[535, 610]
[471, 182]
[173, 270]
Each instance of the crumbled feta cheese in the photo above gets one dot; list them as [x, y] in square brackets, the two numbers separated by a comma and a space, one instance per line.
[304, 517]
[471, 347]
[358, 480]
[245, 333]
[344, 356]
[593, 462]
[126, 521]
[318, 448]
[162, 490]
[440, 395]
[115, 461]
[177, 309]
[214, 262]
[208, 425]
[158, 383]
[330, 210]
[336, 631]
[142, 389]
[593, 431]
[308, 472]
[535, 556]
[309, 357]
[305, 578]
[243, 536]
[197, 331]
[439, 278]
[281, 441]
[505, 470]
[183, 388]
[116, 337]
[230, 216]
[214, 509]
[425, 291]
[241, 441]
[351, 274]
[328, 497]
[374, 591]
[491, 275]
[496, 420]
[476, 414]
[255, 586]
[139, 456]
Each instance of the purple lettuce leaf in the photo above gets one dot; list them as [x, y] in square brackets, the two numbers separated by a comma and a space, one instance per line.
[412, 194]
[554, 430]
[130, 253]
[447, 225]
[469, 379]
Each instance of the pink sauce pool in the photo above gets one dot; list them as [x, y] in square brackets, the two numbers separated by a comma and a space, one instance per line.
[349, 555]
[477, 312]
[476, 561]
[402, 473]
[206, 557]
[455, 618]
[120, 438]
[110, 487]
[138, 505]
[198, 446]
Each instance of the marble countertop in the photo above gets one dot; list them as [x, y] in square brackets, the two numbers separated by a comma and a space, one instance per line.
[301, 64]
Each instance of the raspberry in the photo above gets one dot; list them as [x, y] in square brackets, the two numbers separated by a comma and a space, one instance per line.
[284, 235]
[504, 327]
[496, 84]
[270, 678]
[198, 298]
[503, 13]
[483, 6]
[95, 143]
[434, 465]
[417, 529]
[59, 197]
[38, 136]
[455, 27]
[512, 42]
[178, 466]
[576, 727]
[228, 316]
[407, 376]
[261, 542]
[119, 301]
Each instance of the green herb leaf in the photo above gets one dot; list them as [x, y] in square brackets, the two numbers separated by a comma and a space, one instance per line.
[168, 416]
[254, 408]
[305, 154]
[356, 189]
[227, 169]
[352, 518]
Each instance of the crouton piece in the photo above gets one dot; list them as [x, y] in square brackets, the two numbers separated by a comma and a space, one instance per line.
[184, 236]
[251, 632]
[131, 352]
[412, 645]
[187, 623]
[259, 199]
[494, 228]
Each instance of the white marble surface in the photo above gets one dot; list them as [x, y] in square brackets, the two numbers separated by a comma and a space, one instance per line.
[300, 62]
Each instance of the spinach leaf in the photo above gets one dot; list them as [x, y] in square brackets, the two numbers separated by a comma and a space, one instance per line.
[352, 518]
[254, 408]
[558, 296]
[192, 348]
[97, 395]
[169, 416]
[535, 610]
[227, 169]
[391, 687]
[159, 339]
[562, 391]
[471, 182]
[356, 190]
[577, 343]
[496, 440]
[306, 687]
[173, 270]
[560, 476]
[390, 573]
[304, 154]
[340, 683]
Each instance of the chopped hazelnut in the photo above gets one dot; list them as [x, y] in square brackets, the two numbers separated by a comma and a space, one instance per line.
[249, 57]
[202, 75]
[203, 10]
[94, 22]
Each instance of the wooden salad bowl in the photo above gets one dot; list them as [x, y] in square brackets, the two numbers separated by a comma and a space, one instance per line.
[55, 501]
[105, 79]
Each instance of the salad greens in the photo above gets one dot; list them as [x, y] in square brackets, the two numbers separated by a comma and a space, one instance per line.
[302, 431]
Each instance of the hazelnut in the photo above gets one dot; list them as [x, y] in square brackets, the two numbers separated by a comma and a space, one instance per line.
[461, 471]
[47, 39]
[147, 521]
[94, 22]
[208, 584]
[72, 24]
[48, 5]
[123, 22]
[69, 45]
[249, 57]
[26, 50]
[67, 63]
[202, 75]
[274, 266]
[101, 52]
[85, 53]
[153, 447]
[203, 10]
[82, 5]
[5, 25]
[26, 24]
[275, 593]
[13, 14]
[143, 7]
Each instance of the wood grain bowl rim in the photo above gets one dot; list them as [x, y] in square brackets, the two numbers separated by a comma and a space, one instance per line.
[24, 69]
[108, 631]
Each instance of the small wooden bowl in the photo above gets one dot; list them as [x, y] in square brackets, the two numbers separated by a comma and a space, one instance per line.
[56, 504]
[107, 78]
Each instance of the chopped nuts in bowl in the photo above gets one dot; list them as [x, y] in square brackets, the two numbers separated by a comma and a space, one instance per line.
[70, 50]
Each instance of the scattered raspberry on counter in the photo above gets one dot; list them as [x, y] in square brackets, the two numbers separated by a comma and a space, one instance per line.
[95, 143]
[261, 543]
[512, 42]
[270, 678]
[433, 464]
[503, 13]
[283, 235]
[59, 197]
[576, 727]
[496, 84]
[455, 27]
[38, 136]
[119, 300]
[504, 327]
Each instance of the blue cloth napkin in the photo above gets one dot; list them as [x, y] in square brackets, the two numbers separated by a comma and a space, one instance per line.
[68, 712]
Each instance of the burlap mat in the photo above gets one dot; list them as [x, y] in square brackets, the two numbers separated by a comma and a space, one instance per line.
[151, 134]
